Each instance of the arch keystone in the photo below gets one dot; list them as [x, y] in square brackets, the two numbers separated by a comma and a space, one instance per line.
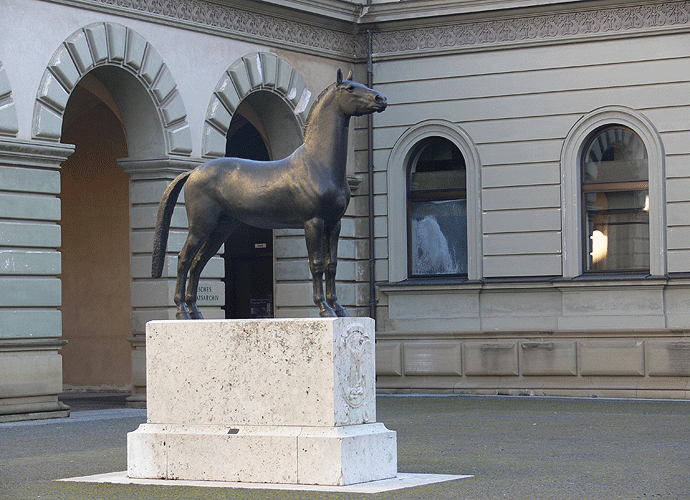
[135, 49]
[79, 48]
[117, 45]
[64, 69]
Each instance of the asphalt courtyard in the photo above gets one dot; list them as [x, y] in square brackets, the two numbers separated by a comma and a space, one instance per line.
[516, 448]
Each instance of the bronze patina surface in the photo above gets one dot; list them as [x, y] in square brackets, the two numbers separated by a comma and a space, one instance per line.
[308, 189]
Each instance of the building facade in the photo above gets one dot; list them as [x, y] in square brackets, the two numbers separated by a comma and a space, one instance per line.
[520, 220]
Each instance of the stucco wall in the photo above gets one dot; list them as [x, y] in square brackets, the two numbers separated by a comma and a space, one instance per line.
[519, 106]
[512, 89]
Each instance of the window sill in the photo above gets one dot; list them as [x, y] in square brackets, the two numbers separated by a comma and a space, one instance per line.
[461, 284]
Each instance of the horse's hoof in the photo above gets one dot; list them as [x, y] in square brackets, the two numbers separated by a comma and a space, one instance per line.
[194, 312]
[339, 310]
[183, 315]
[327, 312]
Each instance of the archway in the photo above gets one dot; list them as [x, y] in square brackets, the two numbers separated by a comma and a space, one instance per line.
[248, 252]
[95, 242]
[138, 88]
[257, 111]
[249, 261]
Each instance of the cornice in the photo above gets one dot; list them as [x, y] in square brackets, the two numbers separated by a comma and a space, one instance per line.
[34, 153]
[300, 31]
[330, 10]
[535, 29]
[292, 25]
[422, 10]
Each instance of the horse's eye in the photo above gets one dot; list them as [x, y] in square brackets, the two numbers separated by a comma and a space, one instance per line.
[350, 88]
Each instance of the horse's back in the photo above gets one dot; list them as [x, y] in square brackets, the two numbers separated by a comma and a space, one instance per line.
[261, 194]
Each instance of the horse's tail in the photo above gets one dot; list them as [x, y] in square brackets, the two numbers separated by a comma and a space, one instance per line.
[165, 212]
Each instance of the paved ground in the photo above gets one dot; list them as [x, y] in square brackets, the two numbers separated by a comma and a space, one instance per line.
[517, 448]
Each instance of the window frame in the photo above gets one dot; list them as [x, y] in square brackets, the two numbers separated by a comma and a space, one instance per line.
[572, 210]
[398, 215]
[430, 195]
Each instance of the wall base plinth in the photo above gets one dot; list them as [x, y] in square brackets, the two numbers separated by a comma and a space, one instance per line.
[268, 454]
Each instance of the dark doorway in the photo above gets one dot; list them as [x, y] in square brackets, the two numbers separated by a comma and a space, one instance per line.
[249, 250]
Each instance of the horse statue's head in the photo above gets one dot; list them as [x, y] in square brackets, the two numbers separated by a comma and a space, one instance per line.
[356, 99]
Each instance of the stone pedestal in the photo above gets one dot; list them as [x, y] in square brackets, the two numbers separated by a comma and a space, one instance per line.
[270, 401]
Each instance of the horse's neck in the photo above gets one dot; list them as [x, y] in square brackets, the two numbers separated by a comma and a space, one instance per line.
[326, 139]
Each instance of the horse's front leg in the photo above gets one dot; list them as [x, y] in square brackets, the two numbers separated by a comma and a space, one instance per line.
[314, 233]
[331, 241]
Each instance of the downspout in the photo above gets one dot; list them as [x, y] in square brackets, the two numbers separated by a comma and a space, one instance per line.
[370, 161]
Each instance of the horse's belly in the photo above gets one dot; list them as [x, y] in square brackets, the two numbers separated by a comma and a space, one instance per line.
[266, 200]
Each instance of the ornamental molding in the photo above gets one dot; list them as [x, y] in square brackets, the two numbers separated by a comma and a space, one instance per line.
[261, 27]
[33, 153]
[8, 114]
[229, 21]
[553, 28]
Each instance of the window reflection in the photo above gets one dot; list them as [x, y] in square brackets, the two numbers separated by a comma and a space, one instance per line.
[437, 210]
[615, 193]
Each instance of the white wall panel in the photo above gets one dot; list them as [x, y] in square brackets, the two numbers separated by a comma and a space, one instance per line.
[522, 265]
[508, 198]
[537, 58]
[513, 221]
[529, 174]
[522, 243]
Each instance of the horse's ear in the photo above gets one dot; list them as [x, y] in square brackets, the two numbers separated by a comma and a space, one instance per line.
[349, 76]
[339, 79]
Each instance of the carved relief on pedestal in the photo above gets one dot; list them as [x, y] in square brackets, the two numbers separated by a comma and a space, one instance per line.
[358, 347]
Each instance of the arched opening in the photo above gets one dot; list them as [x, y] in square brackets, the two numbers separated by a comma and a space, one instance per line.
[437, 209]
[434, 165]
[615, 201]
[262, 128]
[96, 302]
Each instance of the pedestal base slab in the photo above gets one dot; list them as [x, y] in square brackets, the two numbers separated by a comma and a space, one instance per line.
[340, 455]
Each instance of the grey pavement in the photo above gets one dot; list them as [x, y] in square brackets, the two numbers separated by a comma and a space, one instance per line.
[516, 447]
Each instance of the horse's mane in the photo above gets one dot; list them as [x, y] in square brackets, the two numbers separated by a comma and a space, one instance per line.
[314, 106]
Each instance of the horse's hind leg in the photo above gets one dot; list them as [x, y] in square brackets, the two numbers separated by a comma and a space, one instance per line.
[184, 262]
[314, 232]
[331, 254]
[208, 250]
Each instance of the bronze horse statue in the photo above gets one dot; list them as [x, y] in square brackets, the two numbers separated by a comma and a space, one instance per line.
[308, 189]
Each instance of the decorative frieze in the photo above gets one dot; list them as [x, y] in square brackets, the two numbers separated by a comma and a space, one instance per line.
[230, 21]
[562, 27]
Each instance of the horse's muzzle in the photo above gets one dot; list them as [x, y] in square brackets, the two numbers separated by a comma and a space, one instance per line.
[381, 102]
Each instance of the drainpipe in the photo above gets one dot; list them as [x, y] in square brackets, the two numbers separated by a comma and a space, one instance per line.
[370, 161]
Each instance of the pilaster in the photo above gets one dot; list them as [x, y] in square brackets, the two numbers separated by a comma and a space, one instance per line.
[30, 287]
[152, 299]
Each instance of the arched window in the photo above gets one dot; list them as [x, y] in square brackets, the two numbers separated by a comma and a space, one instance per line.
[613, 202]
[615, 194]
[437, 209]
[434, 186]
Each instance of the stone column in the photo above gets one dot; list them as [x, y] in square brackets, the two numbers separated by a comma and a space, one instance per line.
[30, 288]
[153, 299]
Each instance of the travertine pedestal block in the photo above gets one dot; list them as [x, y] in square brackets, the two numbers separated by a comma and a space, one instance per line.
[271, 401]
